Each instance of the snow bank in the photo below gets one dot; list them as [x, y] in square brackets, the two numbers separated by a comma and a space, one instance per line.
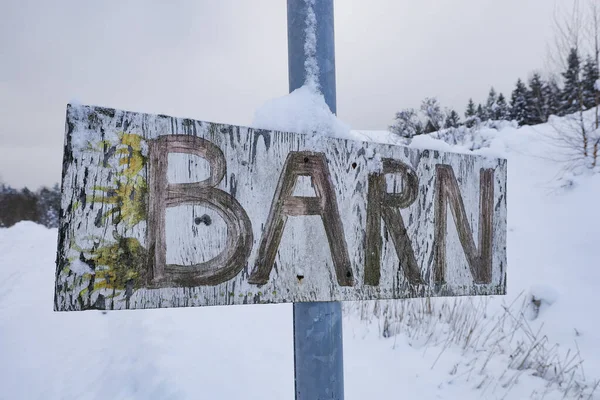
[206, 353]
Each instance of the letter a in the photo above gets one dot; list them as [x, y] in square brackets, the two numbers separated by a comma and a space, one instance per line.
[285, 205]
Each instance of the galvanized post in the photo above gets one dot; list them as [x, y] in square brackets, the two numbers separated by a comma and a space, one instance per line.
[318, 346]
[299, 17]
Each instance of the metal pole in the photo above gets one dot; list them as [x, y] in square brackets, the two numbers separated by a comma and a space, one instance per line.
[298, 12]
[318, 346]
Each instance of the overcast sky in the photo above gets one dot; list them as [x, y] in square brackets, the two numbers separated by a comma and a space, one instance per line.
[219, 60]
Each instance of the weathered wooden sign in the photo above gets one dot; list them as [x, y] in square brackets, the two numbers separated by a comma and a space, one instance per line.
[167, 212]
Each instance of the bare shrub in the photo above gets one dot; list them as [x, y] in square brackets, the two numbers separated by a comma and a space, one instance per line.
[465, 323]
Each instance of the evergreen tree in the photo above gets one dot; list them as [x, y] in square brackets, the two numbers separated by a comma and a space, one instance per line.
[48, 205]
[452, 119]
[589, 79]
[490, 105]
[571, 96]
[551, 98]
[502, 109]
[4, 193]
[518, 102]
[6, 190]
[470, 114]
[535, 102]
[480, 113]
[17, 206]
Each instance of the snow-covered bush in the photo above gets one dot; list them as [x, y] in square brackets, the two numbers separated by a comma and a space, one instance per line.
[479, 136]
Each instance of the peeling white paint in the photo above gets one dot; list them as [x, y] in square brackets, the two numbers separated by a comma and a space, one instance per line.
[254, 163]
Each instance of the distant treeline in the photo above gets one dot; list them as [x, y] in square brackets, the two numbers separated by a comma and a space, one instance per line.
[530, 103]
[42, 206]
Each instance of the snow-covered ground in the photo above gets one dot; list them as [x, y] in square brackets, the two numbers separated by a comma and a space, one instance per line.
[246, 351]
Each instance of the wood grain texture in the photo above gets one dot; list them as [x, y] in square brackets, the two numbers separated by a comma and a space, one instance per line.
[284, 205]
[160, 211]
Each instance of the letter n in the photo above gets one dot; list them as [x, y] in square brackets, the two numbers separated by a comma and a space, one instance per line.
[448, 194]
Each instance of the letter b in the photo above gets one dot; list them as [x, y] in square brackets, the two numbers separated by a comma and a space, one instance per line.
[163, 194]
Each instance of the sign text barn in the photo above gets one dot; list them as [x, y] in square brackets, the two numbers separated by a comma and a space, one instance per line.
[166, 212]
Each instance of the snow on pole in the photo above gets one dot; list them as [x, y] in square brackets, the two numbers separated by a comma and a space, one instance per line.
[311, 47]
[318, 346]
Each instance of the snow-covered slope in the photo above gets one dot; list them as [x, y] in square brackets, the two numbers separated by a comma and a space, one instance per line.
[246, 351]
